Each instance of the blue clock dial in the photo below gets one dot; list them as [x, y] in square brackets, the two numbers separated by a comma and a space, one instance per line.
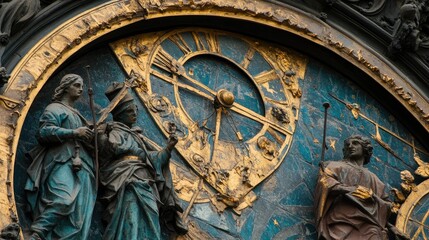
[232, 100]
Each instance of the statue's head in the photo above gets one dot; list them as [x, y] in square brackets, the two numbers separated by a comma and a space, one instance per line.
[408, 11]
[364, 142]
[65, 83]
[126, 110]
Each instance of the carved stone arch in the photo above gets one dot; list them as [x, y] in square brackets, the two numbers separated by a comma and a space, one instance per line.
[59, 45]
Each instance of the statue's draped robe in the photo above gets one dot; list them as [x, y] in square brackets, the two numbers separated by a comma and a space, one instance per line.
[344, 216]
[131, 176]
[61, 200]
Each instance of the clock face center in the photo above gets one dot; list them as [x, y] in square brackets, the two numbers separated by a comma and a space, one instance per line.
[224, 86]
[224, 98]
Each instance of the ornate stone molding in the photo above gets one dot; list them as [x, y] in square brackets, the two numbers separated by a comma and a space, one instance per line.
[35, 68]
[381, 12]
[402, 26]
[367, 7]
[14, 14]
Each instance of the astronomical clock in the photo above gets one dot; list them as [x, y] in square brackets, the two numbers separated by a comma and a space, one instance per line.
[248, 115]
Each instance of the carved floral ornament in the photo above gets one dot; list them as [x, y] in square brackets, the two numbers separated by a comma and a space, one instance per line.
[46, 56]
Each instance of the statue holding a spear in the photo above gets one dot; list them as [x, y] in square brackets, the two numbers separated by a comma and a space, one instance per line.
[351, 202]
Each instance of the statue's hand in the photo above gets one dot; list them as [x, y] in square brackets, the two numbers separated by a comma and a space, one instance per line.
[172, 141]
[363, 193]
[83, 133]
[102, 128]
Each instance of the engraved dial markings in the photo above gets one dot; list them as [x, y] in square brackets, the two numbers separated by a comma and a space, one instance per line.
[181, 43]
[235, 107]
[266, 76]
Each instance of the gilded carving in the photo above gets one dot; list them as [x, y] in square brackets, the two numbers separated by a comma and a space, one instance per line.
[411, 219]
[41, 61]
[198, 158]
[268, 148]
[245, 203]
[423, 168]
[203, 146]
[160, 105]
[9, 103]
[407, 186]
[280, 114]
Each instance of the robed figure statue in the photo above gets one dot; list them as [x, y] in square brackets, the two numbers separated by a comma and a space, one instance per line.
[351, 202]
[60, 187]
[135, 179]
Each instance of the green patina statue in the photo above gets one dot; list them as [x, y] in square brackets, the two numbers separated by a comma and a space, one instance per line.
[135, 180]
[61, 184]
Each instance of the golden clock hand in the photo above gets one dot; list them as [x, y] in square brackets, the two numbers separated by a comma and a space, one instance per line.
[182, 85]
[199, 84]
[259, 118]
[235, 107]
[217, 130]
[168, 63]
[243, 110]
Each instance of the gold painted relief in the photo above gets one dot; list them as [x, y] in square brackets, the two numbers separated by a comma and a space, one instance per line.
[41, 61]
[413, 216]
[233, 167]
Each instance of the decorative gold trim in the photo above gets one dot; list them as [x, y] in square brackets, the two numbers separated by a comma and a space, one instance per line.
[408, 206]
[32, 72]
[206, 159]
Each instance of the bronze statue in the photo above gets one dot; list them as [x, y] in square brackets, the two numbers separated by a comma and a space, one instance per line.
[61, 184]
[351, 202]
[135, 180]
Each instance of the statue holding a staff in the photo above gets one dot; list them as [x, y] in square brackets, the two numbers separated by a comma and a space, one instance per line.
[61, 184]
[135, 178]
[351, 201]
